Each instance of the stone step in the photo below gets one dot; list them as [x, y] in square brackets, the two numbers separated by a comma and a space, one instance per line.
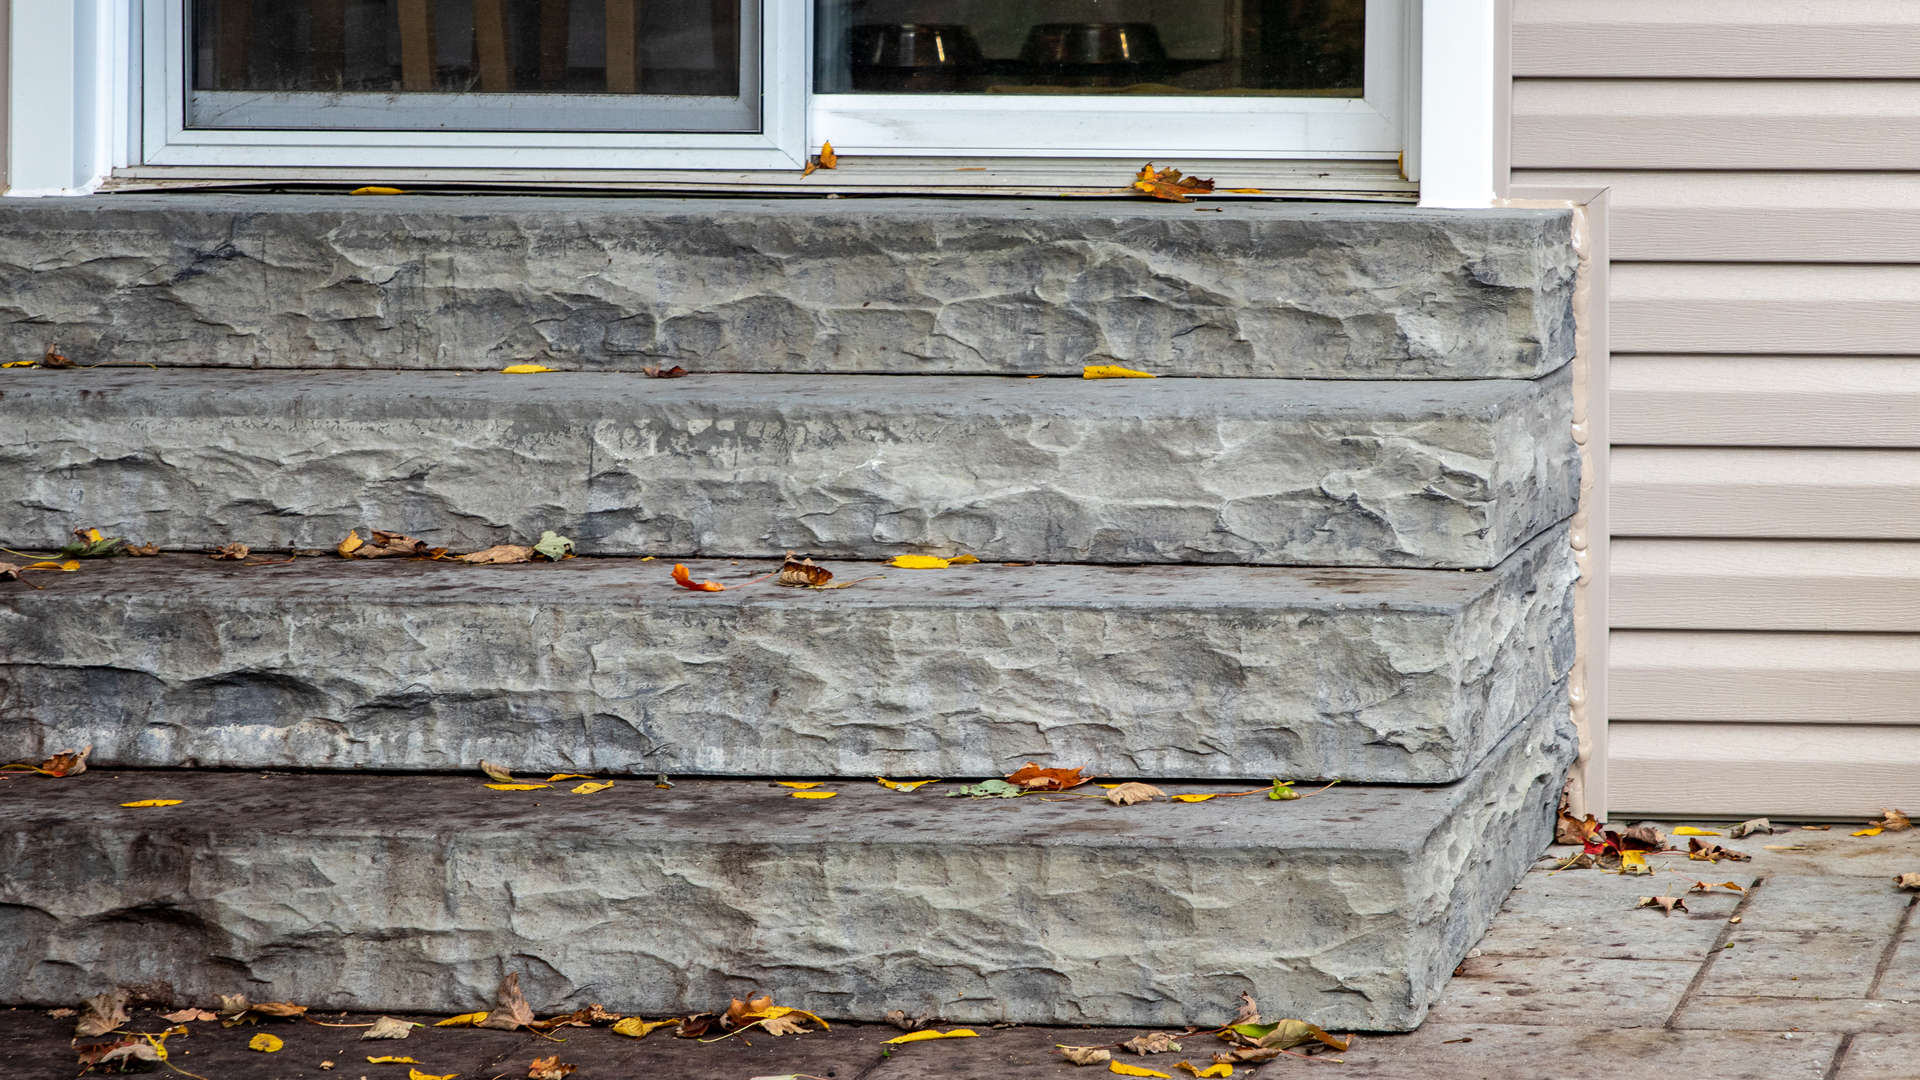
[892, 285]
[1270, 471]
[1349, 908]
[604, 665]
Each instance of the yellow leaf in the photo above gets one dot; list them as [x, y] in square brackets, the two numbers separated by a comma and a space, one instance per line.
[802, 785]
[568, 776]
[393, 1061]
[524, 369]
[1110, 371]
[1217, 1069]
[640, 1029]
[153, 802]
[920, 562]
[463, 1020]
[812, 794]
[1875, 831]
[94, 537]
[265, 1043]
[963, 560]
[1243, 191]
[1635, 862]
[923, 1036]
[1134, 1070]
[517, 787]
[777, 1011]
[1688, 830]
[592, 786]
[351, 544]
[416, 1074]
[828, 159]
[69, 566]
[904, 785]
[19, 363]
[375, 189]
[1193, 798]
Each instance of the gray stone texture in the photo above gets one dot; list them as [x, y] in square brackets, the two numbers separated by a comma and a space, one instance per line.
[1349, 908]
[788, 285]
[1438, 474]
[603, 664]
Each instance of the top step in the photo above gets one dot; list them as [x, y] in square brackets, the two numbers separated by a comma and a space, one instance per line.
[876, 285]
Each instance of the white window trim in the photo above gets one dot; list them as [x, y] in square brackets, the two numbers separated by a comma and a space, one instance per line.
[75, 104]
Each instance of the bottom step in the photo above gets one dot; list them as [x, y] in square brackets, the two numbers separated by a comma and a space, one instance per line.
[1349, 909]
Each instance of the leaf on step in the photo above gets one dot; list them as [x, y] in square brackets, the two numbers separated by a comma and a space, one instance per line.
[389, 1059]
[1153, 1042]
[1193, 798]
[673, 372]
[1123, 1069]
[512, 1011]
[592, 786]
[231, 552]
[143, 803]
[825, 159]
[66, 567]
[684, 578]
[187, 1016]
[1282, 1035]
[1168, 184]
[963, 559]
[1702, 886]
[988, 789]
[1085, 1055]
[145, 550]
[1248, 1012]
[559, 776]
[1907, 881]
[1667, 904]
[376, 189]
[1634, 862]
[920, 562]
[516, 786]
[799, 785]
[471, 1019]
[1749, 827]
[1219, 1068]
[9, 572]
[1033, 777]
[1248, 1055]
[587, 1017]
[1688, 830]
[903, 785]
[1113, 371]
[416, 1074]
[120, 1054]
[20, 363]
[1874, 831]
[1128, 794]
[101, 1013]
[524, 369]
[695, 1026]
[1283, 791]
[637, 1028]
[498, 555]
[388, 1028]
[898, 1018]
[548, 1068]
[1705, 852]
[54, 358]
[923, 1036]
[64, 763]
[351, 544]
[772, 1019]
[812, 794]
[552, 546]
[496, 772]
[1893, 821]
[804, 574]
[89, 544]
[265, 1043]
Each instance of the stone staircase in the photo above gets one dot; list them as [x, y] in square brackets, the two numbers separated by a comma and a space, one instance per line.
[1330, 543]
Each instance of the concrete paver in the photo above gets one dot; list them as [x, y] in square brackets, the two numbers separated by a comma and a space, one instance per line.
[1901, 979]
[1881, 1057]
[1707, 1012]
[1796, 964]
[1541, 990]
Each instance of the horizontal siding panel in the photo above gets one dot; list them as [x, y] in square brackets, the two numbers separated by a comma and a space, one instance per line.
[1824, 585]
[1751, 770]
[1719, 124]
[1763, 678]
[1750, 308]
[1833, 39]
[1702, 492]
[1764, 400]
[1752, 216]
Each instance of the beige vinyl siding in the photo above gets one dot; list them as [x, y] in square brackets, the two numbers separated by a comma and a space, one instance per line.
[1761, 160]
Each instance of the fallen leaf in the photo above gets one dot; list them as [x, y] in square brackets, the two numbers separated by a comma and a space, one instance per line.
[375, 189]
[524, 369]
[1111, 371]
[1568, 829]
[636, 1028]
[1248, 1055]
[326, 1066]
[1712, 852]
[684, 579]
[1034, 778]
[388, 1028]
[903, 785]
[548, 1068]
[351, 544]
[898, 1018]
[101, 1013]
[1667, 904]
[1168, 184]
[1193, 798]
[516, 786]
[1284, 1035]
[806, 574]
[772, 1019]
[923, 1036]
[512, 1011]
[54, 358]
[187, 1016]
[1893, 821]
[231, 552]
[1702, 886]
[120, 1055]
[89, 544]
[1875, 831]
[963, 560]
[825, 159]
[920, 562]
[284, 1010]
[503, 775]
[1085, 1055]
[1688, 830]
[673, 372]
[499, 555]
[265, 1043]
[1283, 790]
[988, 789]
[587, 1017]
[143, 550]
[592, 786]
[1248, 1012]
[65, 763]
[799, 785]
[556, 777]
[1907, 881]
[1815, 828]
[9, 572]
[695, 1026]
[390, 1060]
[386, 545]
[152, 802]
[1219, 1068]
[1134, 1070]
[812, 794]
[20, 363]
[471, 1019]
[66, 567]
[1128, 794]
[1749, 827]
[553, 546]
[416, 1074]
[1154, 1042]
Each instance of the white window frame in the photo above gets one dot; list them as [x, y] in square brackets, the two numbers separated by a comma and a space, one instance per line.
[77, 106]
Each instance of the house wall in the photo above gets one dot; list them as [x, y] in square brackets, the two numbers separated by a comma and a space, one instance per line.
[1761, 162]
[6, 80]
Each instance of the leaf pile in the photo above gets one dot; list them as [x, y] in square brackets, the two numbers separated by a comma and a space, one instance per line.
[1168, 184]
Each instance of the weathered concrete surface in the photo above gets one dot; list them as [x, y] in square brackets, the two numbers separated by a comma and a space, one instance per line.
[788, 285]
[1349, 908]
[1447, 474]
[602, 664]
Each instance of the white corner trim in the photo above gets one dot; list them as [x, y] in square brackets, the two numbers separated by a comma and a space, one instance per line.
[1452, 153]
[66, 81]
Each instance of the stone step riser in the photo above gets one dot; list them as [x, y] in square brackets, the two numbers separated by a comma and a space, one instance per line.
[872, 285]
[1348, 909]
[1434, 474]
[593, 665]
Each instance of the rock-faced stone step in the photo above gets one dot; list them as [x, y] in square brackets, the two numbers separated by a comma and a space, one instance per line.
[604, 665]
[1272, 471]
[1348, 909]
[889, 285]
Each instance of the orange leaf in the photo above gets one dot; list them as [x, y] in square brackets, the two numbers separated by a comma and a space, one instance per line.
[1034, 778]
[684, 579]
[1168, 184]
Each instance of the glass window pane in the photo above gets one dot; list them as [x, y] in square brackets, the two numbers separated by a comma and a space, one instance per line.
[1157, 47]
[612, 65]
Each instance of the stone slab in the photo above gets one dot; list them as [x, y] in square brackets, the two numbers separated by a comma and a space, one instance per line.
[1796, 964]
[1349, 908]
[1594, 914]
[1826, 904]
[1492, 989]
[1901, 979]
[1591, 1050]
[605, 665]
[1434, 474]
[1708, 1012]
[884, 285]
[1881, 1057]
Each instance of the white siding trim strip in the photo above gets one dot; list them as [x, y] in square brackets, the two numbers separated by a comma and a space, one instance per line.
[1823, 585]
[1700, 491]
[1777, 308]
[1766, 400]
[1831, 39]
[1732, 677]
[1784, 770]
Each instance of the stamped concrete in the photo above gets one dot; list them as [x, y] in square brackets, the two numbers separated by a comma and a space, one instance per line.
[896, 285]
[605, 665]
[1428, 474]
[1349, 908]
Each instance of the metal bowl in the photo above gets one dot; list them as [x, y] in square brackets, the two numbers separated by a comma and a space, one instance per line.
[1094, 45]
[913, 57]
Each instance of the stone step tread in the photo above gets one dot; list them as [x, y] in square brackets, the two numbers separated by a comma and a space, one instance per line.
[377, 891]
[1207, 671]
[1166, 470]
[755, 284]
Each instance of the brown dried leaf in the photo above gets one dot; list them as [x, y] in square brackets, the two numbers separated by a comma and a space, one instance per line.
[1748, 828]
[901, 1020]
[1154, 1042]
[803, 574]
[783, 1025]
[101, 1013]
[1893, 821]
[1703, 886]
[1248, 1012]
[1711, 852]
[1642, 838]
[499, 554]
[187, 1016]
[1085, 1055]
[285, 1010]
[1571, 830]
[9, 572]
[1247, 1055]
[1168, 184]
[673, 372]
[1907, 881]
[587, 1017]
[385, 545]
[147, 549]
[740, 1013]
[1667, 904]
[1034, 778]
[548, 1068]
[1128, 794]
[54, 358]
[498, 774]
[119, 1054]
[387, 1027]
[695, 1026]
[231, 552]
[512, 1012]
[65, 763]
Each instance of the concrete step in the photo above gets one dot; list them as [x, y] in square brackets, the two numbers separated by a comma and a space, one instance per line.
[1443, 474]
[788, 285]
[1349, 908]
[603, 664]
